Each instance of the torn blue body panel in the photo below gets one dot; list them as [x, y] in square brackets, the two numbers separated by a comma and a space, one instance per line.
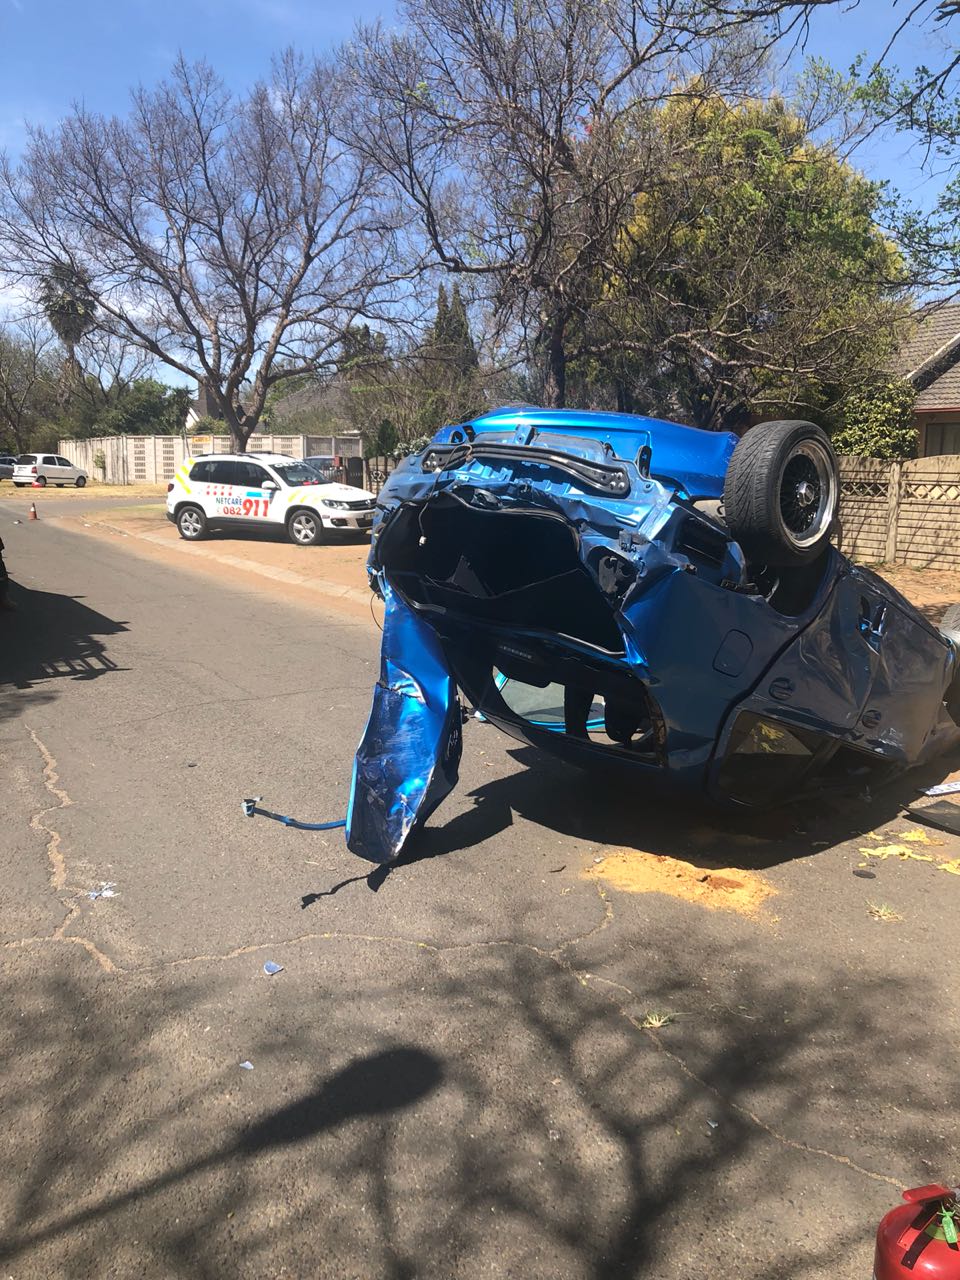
[408, 758]
[571, 573]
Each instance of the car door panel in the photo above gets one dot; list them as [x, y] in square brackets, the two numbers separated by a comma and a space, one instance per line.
[409, 757]
[257, 505]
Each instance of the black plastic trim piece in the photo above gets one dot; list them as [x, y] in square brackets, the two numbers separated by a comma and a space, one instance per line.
[604, 477]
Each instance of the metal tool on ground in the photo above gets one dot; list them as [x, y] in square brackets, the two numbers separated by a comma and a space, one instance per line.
[921, 1237]
[251, 807]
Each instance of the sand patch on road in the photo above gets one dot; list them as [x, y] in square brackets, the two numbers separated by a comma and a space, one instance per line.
[720, 889]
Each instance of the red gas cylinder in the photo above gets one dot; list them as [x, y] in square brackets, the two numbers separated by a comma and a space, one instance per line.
[920, 1238]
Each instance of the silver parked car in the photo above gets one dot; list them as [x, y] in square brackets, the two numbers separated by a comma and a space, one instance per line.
[47, 468]
[7, 462]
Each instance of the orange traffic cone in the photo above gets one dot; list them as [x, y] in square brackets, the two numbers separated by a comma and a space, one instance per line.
[32, 514]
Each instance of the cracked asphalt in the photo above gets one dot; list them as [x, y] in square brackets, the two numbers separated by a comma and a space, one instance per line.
[454, 1075]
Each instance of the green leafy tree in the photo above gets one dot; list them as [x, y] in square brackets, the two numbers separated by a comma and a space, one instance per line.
[878, 421]
[752, 278]
[147, 407]
[143, 406]
[383, 441]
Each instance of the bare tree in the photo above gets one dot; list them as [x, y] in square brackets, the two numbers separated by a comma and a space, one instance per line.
[110, 365]
[502, 124]
[28, 377]
[233, 238]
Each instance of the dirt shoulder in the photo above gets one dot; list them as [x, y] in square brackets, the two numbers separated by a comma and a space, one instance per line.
[931, 590]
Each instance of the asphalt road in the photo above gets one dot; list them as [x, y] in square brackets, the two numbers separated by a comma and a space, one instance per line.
[451, 1077]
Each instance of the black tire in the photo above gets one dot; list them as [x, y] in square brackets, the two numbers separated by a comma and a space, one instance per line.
[304, 528]
[80, 481]
[18, 484]
[191, 523]
[781, 493]
[42, 481]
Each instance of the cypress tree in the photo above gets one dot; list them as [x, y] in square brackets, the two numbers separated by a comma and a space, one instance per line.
[463, 350]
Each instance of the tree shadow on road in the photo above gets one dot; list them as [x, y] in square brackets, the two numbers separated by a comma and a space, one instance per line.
[485, 1112]
[50, 637]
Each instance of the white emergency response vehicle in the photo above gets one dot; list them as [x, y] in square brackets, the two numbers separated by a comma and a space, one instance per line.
[250, 490]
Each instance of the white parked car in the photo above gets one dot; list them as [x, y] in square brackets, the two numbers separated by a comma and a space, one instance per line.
[47, 468]
[253, 490]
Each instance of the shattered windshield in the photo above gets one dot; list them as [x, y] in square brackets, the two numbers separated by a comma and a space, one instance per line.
[296, 474]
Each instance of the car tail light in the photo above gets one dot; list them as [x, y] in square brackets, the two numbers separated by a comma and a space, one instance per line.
[170, 487]
[33, 471]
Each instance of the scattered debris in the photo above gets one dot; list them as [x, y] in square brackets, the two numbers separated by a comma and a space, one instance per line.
[714, 1124]
[951, 866]
[864, 874]
[554, 1135]
[271, 967]
[246, 1066]
[894, 851]
[880, 911]
[554, 870]
[656, 1019]
[107, 889]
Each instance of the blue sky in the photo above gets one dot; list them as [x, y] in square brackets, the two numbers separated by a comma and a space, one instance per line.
[54, 52]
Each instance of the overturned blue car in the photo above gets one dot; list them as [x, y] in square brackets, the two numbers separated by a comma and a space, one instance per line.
[635, 595]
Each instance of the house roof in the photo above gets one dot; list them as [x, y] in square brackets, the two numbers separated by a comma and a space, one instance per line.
[930, 358]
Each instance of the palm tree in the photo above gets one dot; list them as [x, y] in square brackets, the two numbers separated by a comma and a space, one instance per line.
[71, 309]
